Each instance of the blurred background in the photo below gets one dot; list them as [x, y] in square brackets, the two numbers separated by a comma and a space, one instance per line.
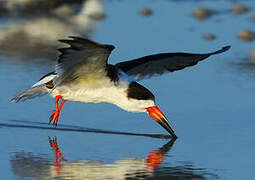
[210, 105]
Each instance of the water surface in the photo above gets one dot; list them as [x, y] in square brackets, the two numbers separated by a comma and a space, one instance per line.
[210, 105]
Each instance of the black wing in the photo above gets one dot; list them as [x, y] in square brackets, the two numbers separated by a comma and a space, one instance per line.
[158, 64]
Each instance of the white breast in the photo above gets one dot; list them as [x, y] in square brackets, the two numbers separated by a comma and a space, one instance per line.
[107, 93]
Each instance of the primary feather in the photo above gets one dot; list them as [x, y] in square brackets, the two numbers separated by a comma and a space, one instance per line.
[148, 66]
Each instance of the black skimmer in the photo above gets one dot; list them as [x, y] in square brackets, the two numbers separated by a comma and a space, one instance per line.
[83, 74]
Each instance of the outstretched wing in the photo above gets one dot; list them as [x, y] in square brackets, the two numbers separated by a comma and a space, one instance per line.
[42, 87]
[81, 58]
[158, 64]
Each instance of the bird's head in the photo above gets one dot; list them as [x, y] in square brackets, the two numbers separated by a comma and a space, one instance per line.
[158, 116]
[144, 101]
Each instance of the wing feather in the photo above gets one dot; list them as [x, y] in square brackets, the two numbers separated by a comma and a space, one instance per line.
[50, 77]
[158, 64]
[81, 58]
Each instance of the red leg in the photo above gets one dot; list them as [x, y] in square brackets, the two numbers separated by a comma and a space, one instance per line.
[54, 116]
[58, 156]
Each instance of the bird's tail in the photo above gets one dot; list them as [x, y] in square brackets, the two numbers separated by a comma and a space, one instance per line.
[30, 93]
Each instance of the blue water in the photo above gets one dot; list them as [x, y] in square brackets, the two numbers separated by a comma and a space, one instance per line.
[210, 105]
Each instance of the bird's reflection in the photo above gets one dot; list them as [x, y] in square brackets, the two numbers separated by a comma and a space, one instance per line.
[33, 35]
[154, 158]
[57, 154]
[28, 165]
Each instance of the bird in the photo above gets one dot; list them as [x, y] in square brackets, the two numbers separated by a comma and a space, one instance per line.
[83, 74]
